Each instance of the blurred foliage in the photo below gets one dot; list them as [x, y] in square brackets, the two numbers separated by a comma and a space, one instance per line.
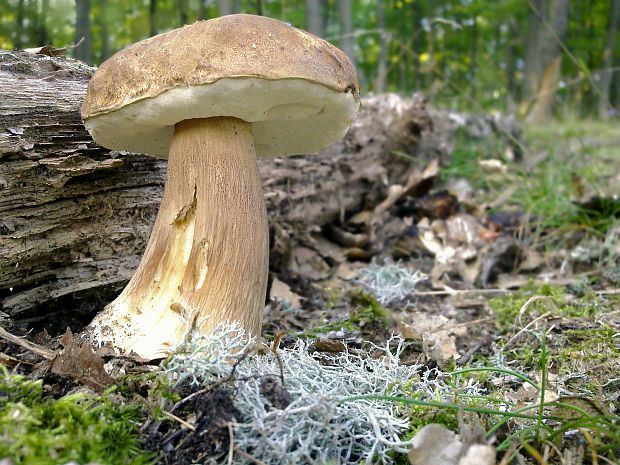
[461, 53]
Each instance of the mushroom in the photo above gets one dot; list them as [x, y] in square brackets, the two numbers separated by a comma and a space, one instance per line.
[211, 97]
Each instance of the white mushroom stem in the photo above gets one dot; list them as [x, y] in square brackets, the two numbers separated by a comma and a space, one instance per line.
[206, 261]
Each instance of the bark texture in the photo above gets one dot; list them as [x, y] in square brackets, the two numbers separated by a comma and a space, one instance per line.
[74, 217]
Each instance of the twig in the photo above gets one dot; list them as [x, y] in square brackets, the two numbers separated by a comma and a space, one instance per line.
[608, 292]
[172, 416]
[37, 349]
[231, 443]
[249, 457]
[522, 330]
[464, 291]
[9, 361]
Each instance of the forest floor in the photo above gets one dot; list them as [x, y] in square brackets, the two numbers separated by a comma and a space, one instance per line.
[485, 299]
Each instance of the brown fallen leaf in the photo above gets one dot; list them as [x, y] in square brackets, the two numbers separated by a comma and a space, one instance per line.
[280, 291]
[81, 363]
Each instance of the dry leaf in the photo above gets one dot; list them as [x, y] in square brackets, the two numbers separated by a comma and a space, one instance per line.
[436, 445]
[282, 292]
[81, 363]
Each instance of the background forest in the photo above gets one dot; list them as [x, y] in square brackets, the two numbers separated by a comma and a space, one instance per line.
[540, 58]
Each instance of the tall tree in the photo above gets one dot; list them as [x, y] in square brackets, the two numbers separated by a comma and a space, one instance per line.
[102, 22]
[532, 67]
[346, 28]
[550, 56]
[607, 73]
[19, 25]
[183, 17]
[43, 35]
[383, 49]
[152, 18]
[314, 18]
[225, 7]
[83, 31]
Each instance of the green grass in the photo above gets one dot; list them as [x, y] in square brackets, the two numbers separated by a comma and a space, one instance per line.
[35, 430]
[563, 163]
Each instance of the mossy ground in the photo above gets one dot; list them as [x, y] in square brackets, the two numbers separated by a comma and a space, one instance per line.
[81, 427]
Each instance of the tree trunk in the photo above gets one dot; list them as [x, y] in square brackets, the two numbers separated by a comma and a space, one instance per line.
[418, 44]
[202, 9]
[383, 49]
[102, 20]
[152, 18]
[183, 17]
[606, 76]
[346, 28]
[225, 7]
[314, 19]
[550, 59]
[19, 25]
[74, 217]
[533, 67]
[43, 38]
[83, 31]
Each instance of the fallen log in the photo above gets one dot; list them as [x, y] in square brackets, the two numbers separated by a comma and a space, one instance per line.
[75, 217]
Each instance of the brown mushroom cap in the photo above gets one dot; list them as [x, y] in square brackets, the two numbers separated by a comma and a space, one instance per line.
[299, 92]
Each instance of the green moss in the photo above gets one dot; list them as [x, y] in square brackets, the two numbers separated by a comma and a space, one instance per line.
[553, 301]
[365, 310]
[81, 427]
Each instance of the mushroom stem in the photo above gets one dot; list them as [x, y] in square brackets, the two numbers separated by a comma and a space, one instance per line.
[206, 261]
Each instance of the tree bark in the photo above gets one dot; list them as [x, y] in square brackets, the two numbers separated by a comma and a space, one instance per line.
[533, 67]
[75, 217]
[346, 28]
[43, 38]
[102, 20]
[606, 76]
[83, 31]
[19, 25]
[225, 7]
[183, 17]
[152, 18]
[548, 61]
[314, 19]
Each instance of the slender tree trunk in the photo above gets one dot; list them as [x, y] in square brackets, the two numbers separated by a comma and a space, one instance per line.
[403, 53]
[259, 7]
[327, 9]
[532, 68]
[183, 18]
[83, 31]
[383, 49]
[102, 21]
[606, 76]
[152, 18]
[418, 43]
[43, 38]
[473, 54]
[314, 19]
[511, 66]
[551, 59]
[19, 25]
[346, 28]
[431, 53]
[225, 7]
[202, 9]
[236, 6]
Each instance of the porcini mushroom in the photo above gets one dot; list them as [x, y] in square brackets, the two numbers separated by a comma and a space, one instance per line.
[211, 97]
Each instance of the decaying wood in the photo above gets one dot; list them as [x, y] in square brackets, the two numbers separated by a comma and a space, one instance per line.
[74, 217]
